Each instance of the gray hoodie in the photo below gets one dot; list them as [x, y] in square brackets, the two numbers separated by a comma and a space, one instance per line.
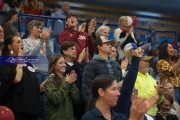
[33, 47]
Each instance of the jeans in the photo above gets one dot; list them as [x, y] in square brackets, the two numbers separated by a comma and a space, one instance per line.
[56, 45]
[43, 113]
[177, 94]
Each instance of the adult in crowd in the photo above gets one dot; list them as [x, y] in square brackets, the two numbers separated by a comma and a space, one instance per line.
[101, 64]
[62, 91]
[13, 5]
[175, 109]
[19, 89]
[123, 35]
[147, 86]
[164, 109]
[62, 14]
[153, 62]
[169, 70]
[68, 50]
[81, 38]
[102, 31]
[1, 4]
[105, 94]
[91, 22]
[50, 11]
[33, 7]
[8, 23]
[151, 35]
[38, 46]
[1, 39]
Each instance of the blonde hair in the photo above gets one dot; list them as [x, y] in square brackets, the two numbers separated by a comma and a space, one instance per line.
[120, 85]
[29, 5]
[127, 54]
[122, 18]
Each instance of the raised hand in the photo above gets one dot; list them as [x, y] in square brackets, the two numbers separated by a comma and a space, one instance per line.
[70, 78]
[138, 52]
[82, 27]
[87, 55]
[105, 22]
[124, 63]
[82, 55]
[44, 36]
[40, 5]
[91, 29]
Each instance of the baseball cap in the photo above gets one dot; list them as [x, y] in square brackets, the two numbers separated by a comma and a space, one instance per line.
[130, 46]
[103, 39]
[145, 57]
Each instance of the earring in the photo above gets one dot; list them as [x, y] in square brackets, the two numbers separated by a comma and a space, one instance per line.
[11, 52]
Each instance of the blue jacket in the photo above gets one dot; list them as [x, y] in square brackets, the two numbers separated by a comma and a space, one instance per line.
[124, 103]
[95, 114]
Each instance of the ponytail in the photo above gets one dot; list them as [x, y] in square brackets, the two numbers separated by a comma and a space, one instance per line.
[90, 104]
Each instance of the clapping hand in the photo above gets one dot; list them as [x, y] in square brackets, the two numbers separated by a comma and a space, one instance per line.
[70, 78]
[82, 27]
[44, 36]
[40, 5]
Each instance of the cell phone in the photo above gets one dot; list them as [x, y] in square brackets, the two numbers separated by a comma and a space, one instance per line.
[49, 79]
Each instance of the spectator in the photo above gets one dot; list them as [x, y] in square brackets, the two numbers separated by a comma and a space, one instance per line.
[175, 109]
[105, 95]
[33, 7]
[164, 109]
[50, 11]
[7, 24]
[19, 89]
[12, 5]
[147, 86]
[81, 38]
[68, 50]
[102, 31]
[169, 70]
[91, 22]
[153, 62]
[151, 35]
[1, 40]
[62, 14]
[101, 64]
[123, 35]
[62, 91]
[39, 48]
[113, 53]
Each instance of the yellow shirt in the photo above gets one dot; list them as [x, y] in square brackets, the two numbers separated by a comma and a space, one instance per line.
[146, 88]
[167, 73]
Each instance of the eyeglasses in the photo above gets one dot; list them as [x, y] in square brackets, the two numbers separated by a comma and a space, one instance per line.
[135, 91]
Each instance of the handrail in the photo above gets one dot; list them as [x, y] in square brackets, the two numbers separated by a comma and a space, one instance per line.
[140, 13]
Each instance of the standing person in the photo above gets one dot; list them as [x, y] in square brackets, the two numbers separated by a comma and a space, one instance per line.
[164, 109]
[105, 94]
[68, 50]
[81, 38]
[38, 45]
[1, 40]
[123, 35]
[169, 70]
[33, 7]
[62, 91]
[101, 64]
[19, 89]
[7, 24]
[147, 86]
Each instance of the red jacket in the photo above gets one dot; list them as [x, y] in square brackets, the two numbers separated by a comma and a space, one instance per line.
[32, 11]
[81, 39]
